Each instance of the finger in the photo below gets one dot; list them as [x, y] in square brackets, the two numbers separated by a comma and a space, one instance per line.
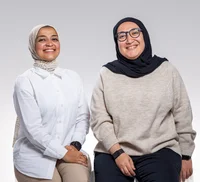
[188, 174]
[85, 156]
[132, 164]
[130, 169]
[124, 171]
[191, 172]
[82, 163]
[83, 159]
[180, 178]
[127, 172]
[183, 176]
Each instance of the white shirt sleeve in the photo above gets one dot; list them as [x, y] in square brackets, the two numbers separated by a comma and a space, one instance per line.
[82, 124]
[29, 113]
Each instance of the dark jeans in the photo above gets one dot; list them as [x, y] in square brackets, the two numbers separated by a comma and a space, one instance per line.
[161, 166]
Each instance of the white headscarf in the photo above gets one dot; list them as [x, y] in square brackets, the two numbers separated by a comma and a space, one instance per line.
[46, 65]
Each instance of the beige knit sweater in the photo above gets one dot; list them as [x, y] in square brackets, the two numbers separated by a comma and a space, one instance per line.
[142, 114]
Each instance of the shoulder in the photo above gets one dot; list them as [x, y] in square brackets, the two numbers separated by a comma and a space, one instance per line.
[173, 69]
[170, 66]
[169, 69]
[23, 80]
[172, 72]
[104, 72]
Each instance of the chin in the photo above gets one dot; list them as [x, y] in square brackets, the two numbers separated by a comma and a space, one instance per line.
[48, 60]
[131, 57]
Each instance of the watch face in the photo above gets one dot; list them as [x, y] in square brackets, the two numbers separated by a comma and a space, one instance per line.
[76, 144]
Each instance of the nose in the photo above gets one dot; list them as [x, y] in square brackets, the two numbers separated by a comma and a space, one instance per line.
[129, 39]
[49, 43]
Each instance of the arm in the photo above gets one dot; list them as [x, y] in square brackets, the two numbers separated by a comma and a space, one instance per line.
[102, 126]
[81, 129]
[29, 113]
[183, 119]
[101, 121]
[183, 116]
[82, 120]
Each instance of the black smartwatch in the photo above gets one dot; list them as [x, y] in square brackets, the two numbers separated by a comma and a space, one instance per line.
[76, 144]
[117, 153]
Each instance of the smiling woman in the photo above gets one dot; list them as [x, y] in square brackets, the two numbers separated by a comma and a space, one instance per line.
[52, 115]
[141, 114]
[47, 44]
[132, 45]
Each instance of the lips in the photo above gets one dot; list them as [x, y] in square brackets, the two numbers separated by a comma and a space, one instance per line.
[49, 50]
[131, 47]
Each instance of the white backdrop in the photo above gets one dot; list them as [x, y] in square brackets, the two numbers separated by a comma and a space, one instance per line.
[85, 29]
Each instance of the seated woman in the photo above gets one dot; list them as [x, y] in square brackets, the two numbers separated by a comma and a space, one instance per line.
[53, 116]
[140, 114]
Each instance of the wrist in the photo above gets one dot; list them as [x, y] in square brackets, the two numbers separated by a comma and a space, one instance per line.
[186, 157]
[76, 144]
[117, 153]
[114, 148]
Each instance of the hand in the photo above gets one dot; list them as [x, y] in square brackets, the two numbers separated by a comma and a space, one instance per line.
[75, 156]
[71, 147]
[125, 164]
[186, 170]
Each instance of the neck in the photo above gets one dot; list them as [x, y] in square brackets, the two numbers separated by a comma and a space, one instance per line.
[46, 65]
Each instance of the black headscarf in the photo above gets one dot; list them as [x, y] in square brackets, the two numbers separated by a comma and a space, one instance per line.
[144, 64]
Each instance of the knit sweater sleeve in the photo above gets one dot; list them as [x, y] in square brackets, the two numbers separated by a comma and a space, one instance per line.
[101, 121]
[182, 113]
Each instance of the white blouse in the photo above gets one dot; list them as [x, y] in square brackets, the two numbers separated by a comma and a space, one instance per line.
[53, 112]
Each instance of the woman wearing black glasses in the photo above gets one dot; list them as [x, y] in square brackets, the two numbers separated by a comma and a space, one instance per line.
[141, 114]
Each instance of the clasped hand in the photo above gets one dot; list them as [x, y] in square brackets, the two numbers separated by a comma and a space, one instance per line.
[75, 156]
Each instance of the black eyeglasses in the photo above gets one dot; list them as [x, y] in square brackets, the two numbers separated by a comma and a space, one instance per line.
[134, 33]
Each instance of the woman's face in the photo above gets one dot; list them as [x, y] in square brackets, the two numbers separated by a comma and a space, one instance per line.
[47, 44]
[131, 48]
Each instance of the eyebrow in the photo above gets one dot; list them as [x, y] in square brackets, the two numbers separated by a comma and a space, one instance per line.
[45, 36]
[121, 32]
[129, 30]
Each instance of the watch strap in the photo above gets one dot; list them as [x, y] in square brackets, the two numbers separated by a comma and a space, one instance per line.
[117, 153]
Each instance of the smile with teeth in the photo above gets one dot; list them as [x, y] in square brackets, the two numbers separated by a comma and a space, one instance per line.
[131, 47]
[49, 50]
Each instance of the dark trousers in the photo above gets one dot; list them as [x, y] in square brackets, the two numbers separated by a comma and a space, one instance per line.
[161, 166]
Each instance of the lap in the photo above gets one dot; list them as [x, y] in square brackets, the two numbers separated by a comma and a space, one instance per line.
[164, 165]
[73, 172]
[64, 172]
[23, 178]
[106, 169]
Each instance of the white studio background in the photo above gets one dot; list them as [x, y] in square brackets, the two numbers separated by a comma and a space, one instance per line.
[85, 29]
